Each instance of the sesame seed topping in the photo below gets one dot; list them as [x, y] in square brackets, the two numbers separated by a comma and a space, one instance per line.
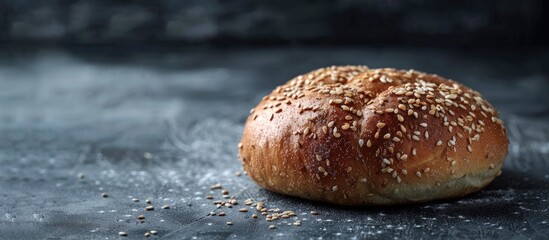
[387, 136]
[423, 124]
[369, 143]
[416, 138]
[334, 188]
[380, 125]
[439, 142]
[361, 142]
[418, 174]
[400, 118]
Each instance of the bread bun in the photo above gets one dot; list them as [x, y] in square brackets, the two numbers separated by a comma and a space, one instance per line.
[351, 135]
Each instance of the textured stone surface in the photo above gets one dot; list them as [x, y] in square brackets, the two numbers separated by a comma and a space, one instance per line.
[164, 124]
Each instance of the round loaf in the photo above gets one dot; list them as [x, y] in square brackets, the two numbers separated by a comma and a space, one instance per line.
[351, 135]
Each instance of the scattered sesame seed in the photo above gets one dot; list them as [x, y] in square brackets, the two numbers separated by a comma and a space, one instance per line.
[387, 136]
[166, 207]
[149, 208]
[369, 143]
[153, 232]
[418, 174]
[314, 213]
[439, 142]
[400, 118]
[334, 188]
[423, 124]
[361, 142]
[230, 223]
[272, 226]
[123, 234]
[380, 125]
[105, 195]
[147, 234]
[221, 214]
[141, 217]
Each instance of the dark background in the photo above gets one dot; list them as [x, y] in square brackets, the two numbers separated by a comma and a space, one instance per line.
[148, 99]
[505, 23]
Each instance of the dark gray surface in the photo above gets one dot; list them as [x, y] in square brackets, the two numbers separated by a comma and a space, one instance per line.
[98, 111]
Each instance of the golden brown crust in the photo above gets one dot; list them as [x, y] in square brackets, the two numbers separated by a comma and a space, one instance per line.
[357, 136]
